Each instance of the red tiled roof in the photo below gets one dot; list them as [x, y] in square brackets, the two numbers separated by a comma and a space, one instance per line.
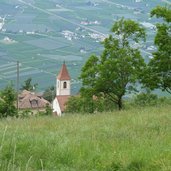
[62, 101]
[63, 74]
[29, 100]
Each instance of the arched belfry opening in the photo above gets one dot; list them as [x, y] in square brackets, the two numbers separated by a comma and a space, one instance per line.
[65, 85]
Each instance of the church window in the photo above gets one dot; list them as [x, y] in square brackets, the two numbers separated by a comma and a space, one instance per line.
[65, 85]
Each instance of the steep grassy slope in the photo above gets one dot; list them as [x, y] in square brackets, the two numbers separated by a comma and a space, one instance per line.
[133, 140]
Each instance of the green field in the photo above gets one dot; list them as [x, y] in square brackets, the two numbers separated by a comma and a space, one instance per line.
[133, 140]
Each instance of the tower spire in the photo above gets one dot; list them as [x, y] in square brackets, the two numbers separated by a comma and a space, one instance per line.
[63, 82]
[63, 74]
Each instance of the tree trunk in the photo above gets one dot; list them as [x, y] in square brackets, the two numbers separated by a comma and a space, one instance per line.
[120, 103]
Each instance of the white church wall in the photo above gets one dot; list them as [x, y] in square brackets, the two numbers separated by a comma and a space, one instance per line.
[60, 90]
[56, 107]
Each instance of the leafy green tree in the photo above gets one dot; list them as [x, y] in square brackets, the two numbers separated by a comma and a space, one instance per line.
[49, 94]
[87, 104]
[7, 102]
[80, 104]
[74, 104]
[158, 73]
[28, 85]
[48, 110]
[146, 99]
[116, 71]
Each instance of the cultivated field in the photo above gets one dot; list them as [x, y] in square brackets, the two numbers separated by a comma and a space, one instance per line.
[133, 140]
[42, 34]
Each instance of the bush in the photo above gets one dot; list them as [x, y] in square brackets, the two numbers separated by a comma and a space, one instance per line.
[74, 104]
[49, 94]
[25, 113]
[47, 112]
[7, 102]
[79, 104]
[146, 99]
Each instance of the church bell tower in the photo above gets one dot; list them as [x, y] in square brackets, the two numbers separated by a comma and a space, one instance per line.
[63, 82]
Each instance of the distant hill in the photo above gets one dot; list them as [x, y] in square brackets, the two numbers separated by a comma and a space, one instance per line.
[48, 32]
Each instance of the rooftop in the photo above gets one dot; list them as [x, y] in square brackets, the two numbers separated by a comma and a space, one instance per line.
[63, 74]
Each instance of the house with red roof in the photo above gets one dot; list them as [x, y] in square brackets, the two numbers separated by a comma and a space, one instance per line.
[63, 91]
[32, 101]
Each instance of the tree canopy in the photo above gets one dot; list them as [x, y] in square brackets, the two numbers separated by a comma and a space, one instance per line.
[118, 68]
[7, 102]
[28, 85]
[158, 74]
[49, 94]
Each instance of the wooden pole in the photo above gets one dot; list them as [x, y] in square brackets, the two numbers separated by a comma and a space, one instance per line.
[17, 87]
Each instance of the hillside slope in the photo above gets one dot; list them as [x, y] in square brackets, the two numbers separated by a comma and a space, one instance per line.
[131, 140]
[42, 34]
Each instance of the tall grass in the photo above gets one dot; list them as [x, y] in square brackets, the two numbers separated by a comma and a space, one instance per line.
[133, 140]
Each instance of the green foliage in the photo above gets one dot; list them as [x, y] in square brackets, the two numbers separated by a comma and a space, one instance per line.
[128, 29]
[77, 104]
[28, 85]
[135, 166]
[163, 12]
[119, 67]
[115, 167]
[47, 112]
[160, 66]
[146, 99]
[87, 104]
[7, 102]
[30, 113]
[25, 113]
[74, 104]
[49, 94]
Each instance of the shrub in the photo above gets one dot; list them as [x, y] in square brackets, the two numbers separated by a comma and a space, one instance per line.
[146, 99]
[48, 111]
[79, 104]
[7, 102]
[25, 113]
[74, 104]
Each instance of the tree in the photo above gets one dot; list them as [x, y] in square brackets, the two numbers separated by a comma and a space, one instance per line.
[159, 66]
[49, 94]
[7, 102]
[118, 68]
[48, 111]
[74, 105]
[87, 104]
[28, 85]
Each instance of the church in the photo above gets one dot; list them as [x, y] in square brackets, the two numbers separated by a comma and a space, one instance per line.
[63, 91]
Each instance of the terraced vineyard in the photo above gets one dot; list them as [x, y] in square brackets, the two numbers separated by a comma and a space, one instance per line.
[42, 34]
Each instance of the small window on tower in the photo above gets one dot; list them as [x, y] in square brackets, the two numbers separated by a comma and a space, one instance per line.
[65, 85]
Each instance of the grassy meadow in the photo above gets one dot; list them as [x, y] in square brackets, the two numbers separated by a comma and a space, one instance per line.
[130, 140]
